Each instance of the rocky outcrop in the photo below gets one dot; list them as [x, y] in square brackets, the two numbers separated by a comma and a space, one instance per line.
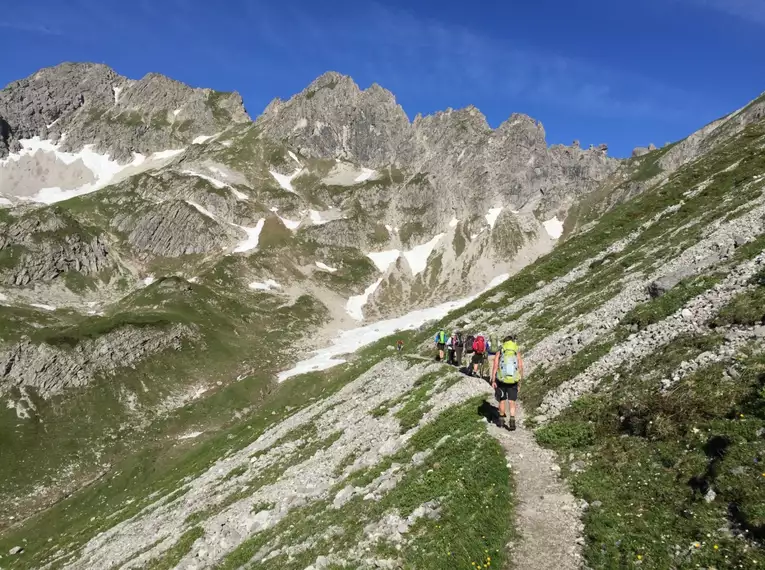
[94, 105]
[172, 229]
[50, 369]
[643, 150]
[43, 245]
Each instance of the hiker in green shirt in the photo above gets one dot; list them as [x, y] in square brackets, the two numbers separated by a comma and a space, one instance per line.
[506, 374]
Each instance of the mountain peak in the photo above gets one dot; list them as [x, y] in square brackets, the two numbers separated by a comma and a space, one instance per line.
[331, 80]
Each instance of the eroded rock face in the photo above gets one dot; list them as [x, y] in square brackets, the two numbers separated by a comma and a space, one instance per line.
[172, 229]
[94, 105]
[52, 369]
[44, 245]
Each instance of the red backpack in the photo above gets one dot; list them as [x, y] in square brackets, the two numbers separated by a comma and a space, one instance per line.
[479, 345]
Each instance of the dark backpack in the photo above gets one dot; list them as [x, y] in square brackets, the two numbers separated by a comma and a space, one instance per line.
[460, 340]
[469, 344]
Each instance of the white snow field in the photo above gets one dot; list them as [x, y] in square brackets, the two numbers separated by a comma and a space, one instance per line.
[554, 227]
[351, 340]
[104, 169]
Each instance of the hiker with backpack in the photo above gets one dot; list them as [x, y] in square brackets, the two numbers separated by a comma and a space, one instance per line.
[440, 340]
[479, 355]
[506, 374]
[451, 347]
[459, 346]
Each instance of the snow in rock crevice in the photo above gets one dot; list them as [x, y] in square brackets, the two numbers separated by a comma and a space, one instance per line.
[554, 227]
[491, 217]
[253, 237]
[453, 223]
[214, 181]
[201, 139]
[417, 257]
[384, 259]
[201, 209]
[316, 218]
[325, 267]
[356, 303]
[284, 180]
[351, 340]
[366, 174]
[43, 307]
[266, 285]
[290, 224]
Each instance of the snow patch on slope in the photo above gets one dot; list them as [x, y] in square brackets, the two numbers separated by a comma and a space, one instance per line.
[201, 139]
[253, 236]
[453, 223]
[351, 340]
[284, 180]
[214, 181]
[201, 209]
[366, 174]
[316, 218]
[43, 307]
[384, 259]
[492, 216]
[554, 227]
[325, 267]
[266, 285]
[104, 169]
[290, 224]
[356, 303]
[417, 257]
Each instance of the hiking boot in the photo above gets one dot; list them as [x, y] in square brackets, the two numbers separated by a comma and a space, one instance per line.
[511, 423]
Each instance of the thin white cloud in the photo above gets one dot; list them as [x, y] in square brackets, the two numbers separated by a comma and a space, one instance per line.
[749, 10]
[432, 58]
[30, 28]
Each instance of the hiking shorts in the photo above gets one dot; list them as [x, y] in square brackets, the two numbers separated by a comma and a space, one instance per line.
[506, 391]
[441, 346]
[477, 358]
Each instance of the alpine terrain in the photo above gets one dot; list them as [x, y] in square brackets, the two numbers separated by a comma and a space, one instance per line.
[199, 314]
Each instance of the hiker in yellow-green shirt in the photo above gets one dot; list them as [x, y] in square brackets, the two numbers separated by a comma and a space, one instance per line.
[506, 374]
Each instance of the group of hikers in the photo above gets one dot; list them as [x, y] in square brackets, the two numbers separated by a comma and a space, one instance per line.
[502, 357]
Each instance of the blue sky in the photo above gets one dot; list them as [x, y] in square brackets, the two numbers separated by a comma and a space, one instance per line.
[623, 73]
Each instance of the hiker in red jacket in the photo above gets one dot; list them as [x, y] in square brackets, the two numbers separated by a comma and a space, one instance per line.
[479, 354]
